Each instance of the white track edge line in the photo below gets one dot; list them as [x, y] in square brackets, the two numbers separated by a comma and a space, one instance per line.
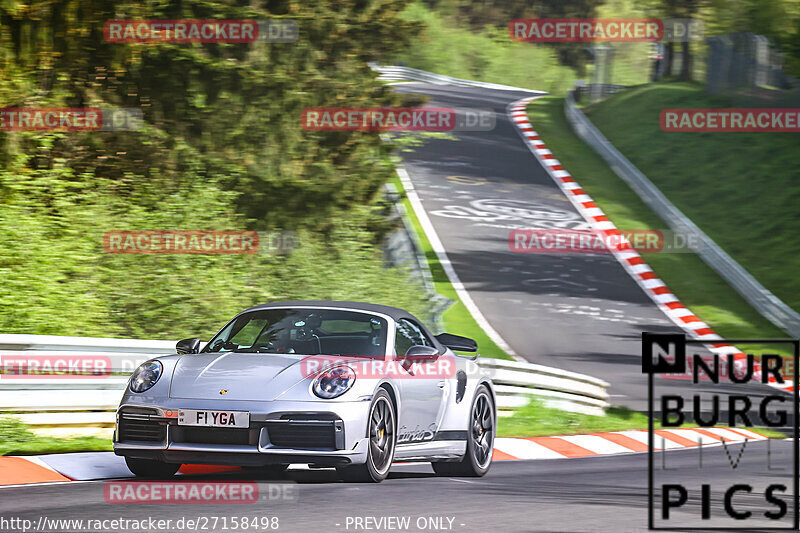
[441, 254]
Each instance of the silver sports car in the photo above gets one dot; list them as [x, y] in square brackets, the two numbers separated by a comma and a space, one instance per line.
[350, 385]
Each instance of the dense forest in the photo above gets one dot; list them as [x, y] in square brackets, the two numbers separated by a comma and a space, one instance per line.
[221, 147]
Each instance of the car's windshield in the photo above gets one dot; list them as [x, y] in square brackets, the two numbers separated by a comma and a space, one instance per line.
[303, 331]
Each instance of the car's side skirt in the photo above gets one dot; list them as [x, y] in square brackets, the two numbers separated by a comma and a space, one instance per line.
[430, 450]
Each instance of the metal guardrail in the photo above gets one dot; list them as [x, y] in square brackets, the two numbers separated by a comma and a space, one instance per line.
[595, 91]
[766, 303]
[516, 382]
[88, 401]
[10, 341]
[401, 73]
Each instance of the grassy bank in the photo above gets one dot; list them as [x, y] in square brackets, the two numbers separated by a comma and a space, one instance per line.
[17, 439]
[692, 281]
[742, 189]
[536, 420]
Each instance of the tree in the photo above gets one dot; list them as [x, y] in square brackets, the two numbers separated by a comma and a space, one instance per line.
[681, 9]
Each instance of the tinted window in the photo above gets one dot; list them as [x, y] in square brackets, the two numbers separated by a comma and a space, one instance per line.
[303, 331]
[408, 334]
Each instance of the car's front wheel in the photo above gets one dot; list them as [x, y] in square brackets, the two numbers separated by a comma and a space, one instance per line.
[480, 440]
[151, 468]
[381, 431]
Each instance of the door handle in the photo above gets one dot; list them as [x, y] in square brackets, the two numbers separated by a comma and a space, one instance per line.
[441, 384]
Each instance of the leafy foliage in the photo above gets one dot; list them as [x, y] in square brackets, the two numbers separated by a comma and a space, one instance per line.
[221, 148]
[449, 48]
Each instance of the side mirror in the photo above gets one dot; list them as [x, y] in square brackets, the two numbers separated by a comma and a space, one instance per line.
[188, 346]
[457, 343]
[421, 354]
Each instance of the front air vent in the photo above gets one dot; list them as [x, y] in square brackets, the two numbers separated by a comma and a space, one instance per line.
[141, 430]
[204, 435]
[306, 434]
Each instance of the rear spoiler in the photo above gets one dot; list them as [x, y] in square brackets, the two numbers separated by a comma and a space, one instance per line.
[457, 343]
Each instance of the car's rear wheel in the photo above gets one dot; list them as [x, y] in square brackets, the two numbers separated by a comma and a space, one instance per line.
[381, 431]
[480, 440]
[151, 468]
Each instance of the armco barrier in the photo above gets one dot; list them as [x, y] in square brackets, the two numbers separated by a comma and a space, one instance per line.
[76, 402]
[398, 73]
[515, 382]
[766, 303]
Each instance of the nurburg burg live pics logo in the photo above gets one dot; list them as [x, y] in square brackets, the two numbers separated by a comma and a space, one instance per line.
[714, 484]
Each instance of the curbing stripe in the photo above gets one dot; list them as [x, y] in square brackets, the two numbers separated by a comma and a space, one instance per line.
[676, 438]
[627, 442]
[692, 436]
[725, 433]
[497, 455]
[744, 432]
[598, 444]
[615, 443]
[21, 470]
[652, 284]
[515, 449]
[712, 436]
[564, 447]
[15, 471]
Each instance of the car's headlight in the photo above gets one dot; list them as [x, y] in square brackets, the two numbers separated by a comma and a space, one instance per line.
[146, 376]
[334, 382]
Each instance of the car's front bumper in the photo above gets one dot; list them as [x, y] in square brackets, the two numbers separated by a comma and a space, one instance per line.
[327, 433]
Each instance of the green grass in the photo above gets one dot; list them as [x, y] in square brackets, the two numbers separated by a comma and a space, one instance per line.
[536, 420]
[447, 47]
[17, 439]
[690, 279]
[742, 189]
[457, 319]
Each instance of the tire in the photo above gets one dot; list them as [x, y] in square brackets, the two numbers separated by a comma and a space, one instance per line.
[480, 440]
[382, 435]
[151, 468]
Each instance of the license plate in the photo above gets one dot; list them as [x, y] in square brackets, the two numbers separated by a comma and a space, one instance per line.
[214, 419]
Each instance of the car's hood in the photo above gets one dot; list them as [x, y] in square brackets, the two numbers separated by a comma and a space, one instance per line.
[244, 376]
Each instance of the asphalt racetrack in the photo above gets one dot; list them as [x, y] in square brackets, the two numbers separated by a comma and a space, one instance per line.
[581, 312]
[570, 495]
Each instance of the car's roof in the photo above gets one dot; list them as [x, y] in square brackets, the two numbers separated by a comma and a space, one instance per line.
[393, 312]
